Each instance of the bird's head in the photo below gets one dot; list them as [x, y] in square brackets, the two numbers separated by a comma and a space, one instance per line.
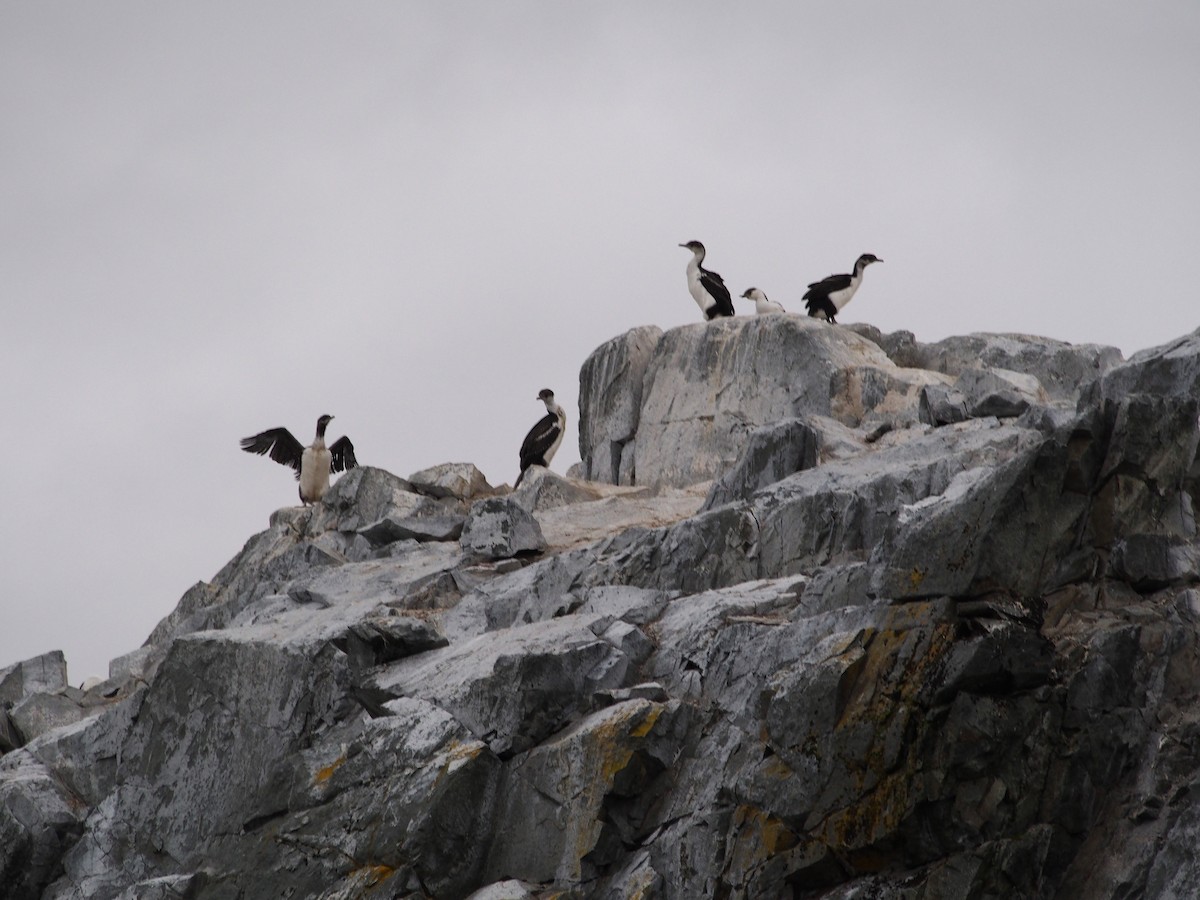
[321, 423]
[694, 246]
[867, 258]
[546, 395]
[754, 294]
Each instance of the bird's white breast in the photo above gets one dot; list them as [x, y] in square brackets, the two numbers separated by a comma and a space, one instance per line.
[842, 297]
[314, 474]
[562, 429]
[696, 289]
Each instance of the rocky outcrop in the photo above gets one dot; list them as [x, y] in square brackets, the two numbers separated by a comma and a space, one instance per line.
[842, 645]
[682, 405]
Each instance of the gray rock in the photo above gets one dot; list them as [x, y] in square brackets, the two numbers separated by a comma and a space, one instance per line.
[166, 887]
[998, 392]
[39, 822]
[374, 642]
[83, 756]
[542, 490]
[709, 385]
[566, 823]
[38, 713]
[10, 737]
[1171, 370]
[771, 453]
[460, 480]
[361, 496]
[39, 674]
[898, 345]
[638, 606]
[1008, 657]
[1062, 369]
[1143, 483]
[509, 889]
[942, 405]
[429, 528]
[1173, 869]
[849, 511]
[629, 639]
[515, 687]
[833, 587]
[610, 401]
[500, 528]
[138, 664]
[1152, 561]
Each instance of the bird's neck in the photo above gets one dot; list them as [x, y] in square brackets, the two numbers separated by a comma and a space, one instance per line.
[859, 268]
[319, 440]
[555, 410]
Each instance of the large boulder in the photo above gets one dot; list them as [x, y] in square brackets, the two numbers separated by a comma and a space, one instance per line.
[44, 674]
[1060, 368]
[1170, 370]
[500, 528]
[610, 402]
[39, 822]
[709, 385]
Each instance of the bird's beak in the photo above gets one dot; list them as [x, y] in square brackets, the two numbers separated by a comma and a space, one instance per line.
[683, 245]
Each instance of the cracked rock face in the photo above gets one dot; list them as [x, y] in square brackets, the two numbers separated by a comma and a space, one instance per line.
[926, 625]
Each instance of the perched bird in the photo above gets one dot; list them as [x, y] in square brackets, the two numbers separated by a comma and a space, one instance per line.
[543, 439]
[826, 298]
[707, 288]
[312, 464]
[762, 306]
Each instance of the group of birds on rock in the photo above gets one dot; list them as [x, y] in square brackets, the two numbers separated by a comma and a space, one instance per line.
[315, 463]
[824, 299]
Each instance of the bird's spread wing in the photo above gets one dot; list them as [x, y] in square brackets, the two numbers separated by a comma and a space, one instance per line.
[539, 439]
[277, 443]
[715, 285]
[343, 455]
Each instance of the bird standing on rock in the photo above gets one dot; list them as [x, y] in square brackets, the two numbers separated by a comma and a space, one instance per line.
[707, 288]
[827, 297]
[762, 306]
[543, 439]
[313, 464]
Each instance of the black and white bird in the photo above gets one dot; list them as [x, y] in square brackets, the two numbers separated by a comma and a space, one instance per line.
[543, 439]
[707, 288]
[762, 306]
[827, 297]
[313, 464]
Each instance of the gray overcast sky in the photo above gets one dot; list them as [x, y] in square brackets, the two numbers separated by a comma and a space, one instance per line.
[221, 217]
